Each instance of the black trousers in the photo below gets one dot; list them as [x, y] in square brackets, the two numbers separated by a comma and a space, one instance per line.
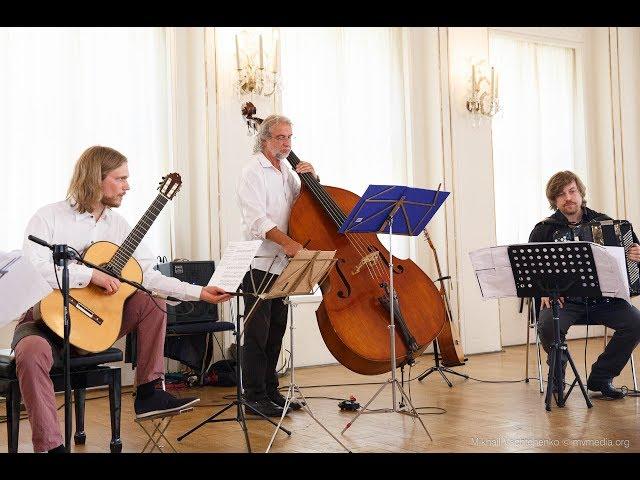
[616, 314]
[262, 339]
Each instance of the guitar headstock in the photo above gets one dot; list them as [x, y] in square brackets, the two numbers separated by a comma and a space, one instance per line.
[248, 112]
[170, 185]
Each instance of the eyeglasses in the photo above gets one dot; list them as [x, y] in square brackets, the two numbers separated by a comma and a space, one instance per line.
[282, 138]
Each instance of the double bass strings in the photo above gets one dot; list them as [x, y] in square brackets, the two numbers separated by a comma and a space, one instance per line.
[339, 217]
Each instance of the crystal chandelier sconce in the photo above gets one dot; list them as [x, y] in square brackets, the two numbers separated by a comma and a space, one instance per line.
[484, 100]
[257, 68]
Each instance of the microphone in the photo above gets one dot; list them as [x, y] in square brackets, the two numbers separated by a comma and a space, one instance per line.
[39, 241]
[166, 297]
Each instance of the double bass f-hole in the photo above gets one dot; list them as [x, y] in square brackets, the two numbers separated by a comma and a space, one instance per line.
[341, 294]
[397, 268]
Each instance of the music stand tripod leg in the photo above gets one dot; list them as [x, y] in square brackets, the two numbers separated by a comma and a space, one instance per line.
[413, 412]
[436, 368]
[239, 402]
[387, 382]
[555, 367]
[578, 379]
[293, 388]
[307, 409]
[551, 376]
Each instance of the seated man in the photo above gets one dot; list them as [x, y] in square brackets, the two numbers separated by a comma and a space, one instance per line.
[566, 195]
[99, 182]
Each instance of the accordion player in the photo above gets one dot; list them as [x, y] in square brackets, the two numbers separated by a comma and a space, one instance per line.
[612, 233]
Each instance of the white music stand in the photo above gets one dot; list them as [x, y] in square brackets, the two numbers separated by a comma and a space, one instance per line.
[307, 269]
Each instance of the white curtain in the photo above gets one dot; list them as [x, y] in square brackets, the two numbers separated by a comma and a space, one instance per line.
[539, 132]
[343, 90]
[65, 89]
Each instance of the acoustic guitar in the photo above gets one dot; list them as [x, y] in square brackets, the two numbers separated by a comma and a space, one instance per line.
[96, 317]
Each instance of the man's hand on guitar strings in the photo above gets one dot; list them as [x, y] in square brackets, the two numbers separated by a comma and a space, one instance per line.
[110, 284]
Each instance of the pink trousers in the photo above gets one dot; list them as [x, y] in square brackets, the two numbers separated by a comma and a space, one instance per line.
[34, 360]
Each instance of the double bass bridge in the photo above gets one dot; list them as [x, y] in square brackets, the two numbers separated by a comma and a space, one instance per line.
[368, 259]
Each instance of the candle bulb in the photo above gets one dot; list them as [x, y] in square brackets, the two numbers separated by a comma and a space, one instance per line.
[261, 55]
[237, 54]
[492, 84]
[473, 78]
[275, 57]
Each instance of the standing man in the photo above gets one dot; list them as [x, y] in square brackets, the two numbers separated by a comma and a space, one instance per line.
[566, 195]
[266, 192]
[98, 185]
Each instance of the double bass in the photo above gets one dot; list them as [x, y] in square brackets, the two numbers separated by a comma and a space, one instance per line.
[354, 316]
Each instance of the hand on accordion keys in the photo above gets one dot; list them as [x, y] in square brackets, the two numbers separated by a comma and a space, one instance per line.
[546, 303]
[634, 253]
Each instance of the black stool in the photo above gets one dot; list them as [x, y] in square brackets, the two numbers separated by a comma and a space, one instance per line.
[86, 371]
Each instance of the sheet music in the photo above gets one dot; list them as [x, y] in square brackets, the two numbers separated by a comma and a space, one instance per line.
[611, 265]
[303, 271]
[21, 285]
[493, 271]
[234, 264]
[495, 277]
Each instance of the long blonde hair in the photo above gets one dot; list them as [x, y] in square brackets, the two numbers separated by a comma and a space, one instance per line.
[95, 163]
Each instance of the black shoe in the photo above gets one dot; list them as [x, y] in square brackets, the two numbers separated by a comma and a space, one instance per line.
[159, 402]
[606, 387]
[265, 406]
[279, 400]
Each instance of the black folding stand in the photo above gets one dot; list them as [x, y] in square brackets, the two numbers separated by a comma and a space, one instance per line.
[556, 270]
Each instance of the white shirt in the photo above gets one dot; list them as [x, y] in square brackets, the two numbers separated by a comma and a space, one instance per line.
[60, 223]
[265, 195]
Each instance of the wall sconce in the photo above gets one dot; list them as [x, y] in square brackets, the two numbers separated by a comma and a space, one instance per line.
[257, 67]
[484, 99]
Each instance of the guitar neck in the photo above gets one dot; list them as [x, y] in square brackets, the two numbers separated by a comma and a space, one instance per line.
[129, 246]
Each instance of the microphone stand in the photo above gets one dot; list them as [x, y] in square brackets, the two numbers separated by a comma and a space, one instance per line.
[61, 256]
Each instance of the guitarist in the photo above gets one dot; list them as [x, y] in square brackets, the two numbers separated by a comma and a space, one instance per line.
[98, 185]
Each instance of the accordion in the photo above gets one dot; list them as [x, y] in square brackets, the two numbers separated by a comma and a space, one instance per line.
[612, 233]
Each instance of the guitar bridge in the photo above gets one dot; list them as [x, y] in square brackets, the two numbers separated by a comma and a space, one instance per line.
[85, 310]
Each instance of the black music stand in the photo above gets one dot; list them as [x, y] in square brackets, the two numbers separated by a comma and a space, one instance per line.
[239, 402]
[438, 367]
[556, 270]
[395, 210]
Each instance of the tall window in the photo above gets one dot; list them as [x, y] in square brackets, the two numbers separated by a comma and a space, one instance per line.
[343, 91]
[65, 89]
[539, 133]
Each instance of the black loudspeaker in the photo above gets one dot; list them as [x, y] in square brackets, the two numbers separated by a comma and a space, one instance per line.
[197, 273]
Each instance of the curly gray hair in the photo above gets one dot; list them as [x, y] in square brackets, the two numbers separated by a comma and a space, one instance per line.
[265, 130]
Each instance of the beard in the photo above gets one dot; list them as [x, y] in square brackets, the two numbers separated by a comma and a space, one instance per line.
[282, 156]
[113, 201]
[570, 208]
